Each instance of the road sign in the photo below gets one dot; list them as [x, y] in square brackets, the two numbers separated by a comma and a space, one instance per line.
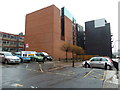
[27, 45]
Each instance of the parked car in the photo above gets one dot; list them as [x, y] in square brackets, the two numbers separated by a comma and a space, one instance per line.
[23, 56]
[38, 58]
[7, 57]
[98, 62]
[45, 55]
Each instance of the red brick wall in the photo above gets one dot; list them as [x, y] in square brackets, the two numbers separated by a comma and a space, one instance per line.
[39, 30]
[43, 32]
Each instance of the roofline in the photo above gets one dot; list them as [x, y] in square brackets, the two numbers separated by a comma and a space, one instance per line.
[42, 9]
[12, 34]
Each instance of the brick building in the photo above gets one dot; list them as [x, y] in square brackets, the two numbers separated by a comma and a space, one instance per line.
[48, 29]
[11, 42]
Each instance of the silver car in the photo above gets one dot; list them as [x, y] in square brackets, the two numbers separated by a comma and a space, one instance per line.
[7, 57]
[98, 62]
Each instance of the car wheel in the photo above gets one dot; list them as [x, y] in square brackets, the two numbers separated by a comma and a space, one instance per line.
[87, 65]
[108, 67]
[35, 60]
[3, 62]
[21, 60]
[45, 59]
[6, 61]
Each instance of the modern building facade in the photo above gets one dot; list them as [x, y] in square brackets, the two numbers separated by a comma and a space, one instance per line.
[98, 38]
[48, 29]
[11, 42]
[80, 36]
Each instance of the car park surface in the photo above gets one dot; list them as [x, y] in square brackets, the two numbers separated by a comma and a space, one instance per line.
[29, 75]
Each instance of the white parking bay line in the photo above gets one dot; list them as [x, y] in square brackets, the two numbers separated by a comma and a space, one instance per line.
[17, 85]
[40, 68]
[26, 66]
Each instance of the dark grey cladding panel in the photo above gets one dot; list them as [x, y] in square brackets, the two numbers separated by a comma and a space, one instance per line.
[98, 40]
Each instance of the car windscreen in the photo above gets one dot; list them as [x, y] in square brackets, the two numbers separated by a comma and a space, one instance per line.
[8, 54]
[37, 54]
[18, 54]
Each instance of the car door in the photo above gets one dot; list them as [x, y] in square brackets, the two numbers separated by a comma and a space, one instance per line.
[94, 62]
[102, 62]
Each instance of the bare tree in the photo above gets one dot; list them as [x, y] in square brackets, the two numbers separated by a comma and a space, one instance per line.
[66, 47]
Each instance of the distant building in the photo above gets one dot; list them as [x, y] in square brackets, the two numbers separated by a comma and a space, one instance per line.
[11, 42]
[48, 29]
[98, 38]
[80, 36]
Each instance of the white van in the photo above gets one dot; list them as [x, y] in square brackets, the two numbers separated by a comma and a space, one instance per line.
[7, 57]
[25, 56]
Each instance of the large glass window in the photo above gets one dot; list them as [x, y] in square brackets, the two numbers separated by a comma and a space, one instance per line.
[99, 23]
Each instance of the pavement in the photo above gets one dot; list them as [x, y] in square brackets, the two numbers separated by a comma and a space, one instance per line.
[112, 79]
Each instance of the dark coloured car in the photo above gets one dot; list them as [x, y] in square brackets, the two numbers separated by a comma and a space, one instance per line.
[46, 56]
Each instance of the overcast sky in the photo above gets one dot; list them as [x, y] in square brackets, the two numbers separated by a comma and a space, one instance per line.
[12, 12]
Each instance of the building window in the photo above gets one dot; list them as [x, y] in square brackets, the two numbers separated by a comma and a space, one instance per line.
[1, 35]
[5, 49]
[0, 41]
[4, 36]
[21, 38]
[8, 36]
[12, 37]
[6, 42]
[21, 43]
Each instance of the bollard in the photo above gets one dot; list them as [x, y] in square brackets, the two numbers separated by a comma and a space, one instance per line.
[116, 65]
[59, 59]
[85, 64]
[73, 64]
[105, 66]
[40, 66]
